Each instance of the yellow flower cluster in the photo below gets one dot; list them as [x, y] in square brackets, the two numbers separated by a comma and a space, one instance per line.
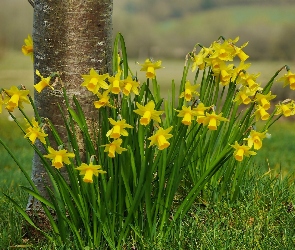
[219, 57]
[102, 85]
[211, 119]
[253, 141]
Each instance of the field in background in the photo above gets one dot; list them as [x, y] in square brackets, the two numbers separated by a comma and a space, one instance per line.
[150, 31]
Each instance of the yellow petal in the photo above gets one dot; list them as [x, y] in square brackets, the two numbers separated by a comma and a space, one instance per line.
[112, 150]
[187, 119]
[88, 176]
[116, 132]
[212, 124]
[146, 118]
[162, 142]
[239, 154]
[57, 161]
[150, 73]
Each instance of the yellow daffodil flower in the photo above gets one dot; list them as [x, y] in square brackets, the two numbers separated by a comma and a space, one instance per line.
[93, 82]
[263, 100]
[114, 147]
[199, 59]
[160, 138]
[241, 151]
[118, 128]
[288, 79]
[224, 51]
[240, 53]
[148, 113]
[43, 83]
[213, 120]
[243, 95]
[150, 68]
[200, 112]
[35, 132]
[226, 72]
[255, 138]
[285, 109]
[239, 71]
[115, 83]
[28, 48]
[189, 91]
[260, 113]
[214, 63]
[188, 114]
[17, 97]
[200, 109]
[59, 157]
[130, 86]
[89, 170]
[249, 80]
[103, 100]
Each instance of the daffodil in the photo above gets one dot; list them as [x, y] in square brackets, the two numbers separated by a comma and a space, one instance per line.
[103, 100]
[200, 112]
[115, 83]
[260, 113]
[243, 95]
[249, 80]
[213, 120]
[89, 170]
[288, 79]
[93, 82]
[263, 100]
[118, 128]
[223, 51]
[59, 157]
[114, 147]
[150, 68]
[17, 97]
[226, 72]
[241, 151]
[240, 53]
[160, 138]
[255, 139]
[199, 59]
[189, 91]
[35, 132]
[214, 63]
[285, 109]
[188, 114]
[129, 86]
[239, 71]
[148, 113]
[28, 48]
[45, 81]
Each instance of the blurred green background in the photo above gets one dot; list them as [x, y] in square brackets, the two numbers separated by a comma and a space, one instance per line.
[167, 30]
[170, 28]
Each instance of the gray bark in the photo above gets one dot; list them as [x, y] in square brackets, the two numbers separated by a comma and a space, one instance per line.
[70, 37]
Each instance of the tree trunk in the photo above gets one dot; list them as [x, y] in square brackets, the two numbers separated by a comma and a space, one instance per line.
[70, 37]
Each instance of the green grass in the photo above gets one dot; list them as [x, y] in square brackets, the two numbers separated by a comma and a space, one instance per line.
[277, 151]
[262, 218]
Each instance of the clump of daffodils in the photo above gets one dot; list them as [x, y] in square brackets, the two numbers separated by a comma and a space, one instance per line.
[194, 111]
